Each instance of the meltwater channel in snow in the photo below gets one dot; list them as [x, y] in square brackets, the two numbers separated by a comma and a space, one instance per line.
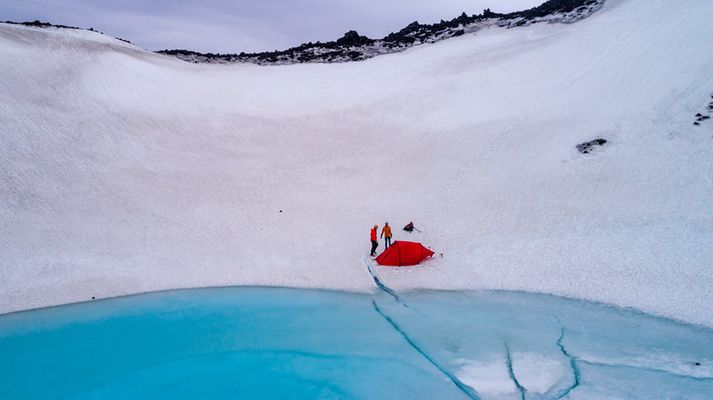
[308, 344]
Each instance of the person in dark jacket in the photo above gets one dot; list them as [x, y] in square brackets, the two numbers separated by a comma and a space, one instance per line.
[374, 242]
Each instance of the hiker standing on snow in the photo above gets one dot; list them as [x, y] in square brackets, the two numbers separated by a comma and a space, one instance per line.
[374, 243]
[386, 234]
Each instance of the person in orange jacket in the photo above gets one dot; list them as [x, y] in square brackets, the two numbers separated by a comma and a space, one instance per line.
[386, 234]
[374, 243]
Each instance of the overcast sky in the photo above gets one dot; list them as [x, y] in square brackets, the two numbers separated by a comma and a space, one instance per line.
[244, 25]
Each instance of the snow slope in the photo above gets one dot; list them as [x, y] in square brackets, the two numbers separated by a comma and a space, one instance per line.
[123, 171]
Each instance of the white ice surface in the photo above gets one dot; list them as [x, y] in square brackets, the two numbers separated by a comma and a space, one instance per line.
[537, 372]
[123, 171]
[489, 376]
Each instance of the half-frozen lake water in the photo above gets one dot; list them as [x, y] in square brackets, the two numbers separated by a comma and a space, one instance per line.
[306, 344]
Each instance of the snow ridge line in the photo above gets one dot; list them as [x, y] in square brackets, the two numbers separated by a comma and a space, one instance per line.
[511, 372]
[572, 363]
[467, 390]
[381, 285]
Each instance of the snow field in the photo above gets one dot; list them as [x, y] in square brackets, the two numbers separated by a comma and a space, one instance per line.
[125, 171]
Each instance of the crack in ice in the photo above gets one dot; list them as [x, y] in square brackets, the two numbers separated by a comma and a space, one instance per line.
[572, 364]
[381, 285]
[511, 372]
[467, 390]
[573, 361]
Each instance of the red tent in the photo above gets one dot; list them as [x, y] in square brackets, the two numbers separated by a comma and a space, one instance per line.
[403, 253]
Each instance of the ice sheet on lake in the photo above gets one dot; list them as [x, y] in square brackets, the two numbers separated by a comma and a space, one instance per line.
[516, 345]
[272, 343]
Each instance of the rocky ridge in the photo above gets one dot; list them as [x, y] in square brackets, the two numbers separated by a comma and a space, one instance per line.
[355, 47]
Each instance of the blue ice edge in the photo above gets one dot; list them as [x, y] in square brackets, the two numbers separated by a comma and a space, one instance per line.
[253, 342]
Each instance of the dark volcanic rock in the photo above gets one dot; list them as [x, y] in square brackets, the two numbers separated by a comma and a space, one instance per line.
[355, 47]
[587, 147]
[352, 38]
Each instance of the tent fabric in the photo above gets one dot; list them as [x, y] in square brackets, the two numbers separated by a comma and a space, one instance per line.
[403, 253]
